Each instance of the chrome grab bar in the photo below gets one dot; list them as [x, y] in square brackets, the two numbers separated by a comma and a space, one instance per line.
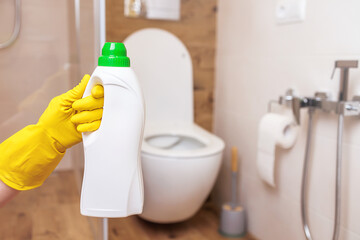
[17, 26]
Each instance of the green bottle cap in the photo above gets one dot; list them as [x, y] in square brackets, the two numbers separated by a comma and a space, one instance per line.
[114, 55]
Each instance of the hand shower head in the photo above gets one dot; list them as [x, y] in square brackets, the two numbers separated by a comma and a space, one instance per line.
[344, 66]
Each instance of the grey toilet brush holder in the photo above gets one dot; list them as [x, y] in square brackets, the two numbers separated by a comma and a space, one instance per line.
[232, 221]
[233, 216]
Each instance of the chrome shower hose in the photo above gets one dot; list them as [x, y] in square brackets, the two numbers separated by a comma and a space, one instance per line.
[304, 216]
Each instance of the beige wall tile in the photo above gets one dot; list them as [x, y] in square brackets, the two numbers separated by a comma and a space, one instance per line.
[257, 60]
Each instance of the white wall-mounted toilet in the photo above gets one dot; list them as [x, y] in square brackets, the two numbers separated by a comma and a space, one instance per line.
[180, 159]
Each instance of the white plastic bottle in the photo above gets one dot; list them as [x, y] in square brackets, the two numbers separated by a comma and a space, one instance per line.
[112, 183]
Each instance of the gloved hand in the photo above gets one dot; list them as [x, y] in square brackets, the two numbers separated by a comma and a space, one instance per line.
[61, 116]
[29, 156]
[89, 110]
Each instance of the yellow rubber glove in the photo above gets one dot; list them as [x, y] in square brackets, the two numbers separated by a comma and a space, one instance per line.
[89, 110]
[29, 156]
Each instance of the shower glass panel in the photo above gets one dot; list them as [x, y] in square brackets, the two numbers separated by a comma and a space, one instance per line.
[54, 49]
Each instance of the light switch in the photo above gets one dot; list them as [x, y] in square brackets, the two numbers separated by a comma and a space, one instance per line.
[289, 11]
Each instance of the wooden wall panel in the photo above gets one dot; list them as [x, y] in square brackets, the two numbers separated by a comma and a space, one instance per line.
[196, 29]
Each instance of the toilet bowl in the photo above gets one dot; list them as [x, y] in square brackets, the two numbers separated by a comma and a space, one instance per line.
[180, 160]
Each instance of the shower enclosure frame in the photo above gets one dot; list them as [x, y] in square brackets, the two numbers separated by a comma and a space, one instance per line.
[99, 226]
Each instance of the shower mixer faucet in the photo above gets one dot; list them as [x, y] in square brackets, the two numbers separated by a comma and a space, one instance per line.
[342, 107]
[322, 100]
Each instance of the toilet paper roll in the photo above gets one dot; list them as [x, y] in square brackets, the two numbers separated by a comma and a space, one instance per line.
[274, 130]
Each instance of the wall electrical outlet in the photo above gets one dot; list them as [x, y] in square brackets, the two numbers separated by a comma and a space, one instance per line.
[290, 11]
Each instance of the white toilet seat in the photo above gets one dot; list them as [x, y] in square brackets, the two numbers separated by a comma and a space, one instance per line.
[180, 142]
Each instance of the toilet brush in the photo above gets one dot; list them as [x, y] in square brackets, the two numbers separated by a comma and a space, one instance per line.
[232, 218]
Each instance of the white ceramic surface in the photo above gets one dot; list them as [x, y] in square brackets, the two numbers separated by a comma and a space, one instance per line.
[163, 66]
[176, 187]
[178, 175]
